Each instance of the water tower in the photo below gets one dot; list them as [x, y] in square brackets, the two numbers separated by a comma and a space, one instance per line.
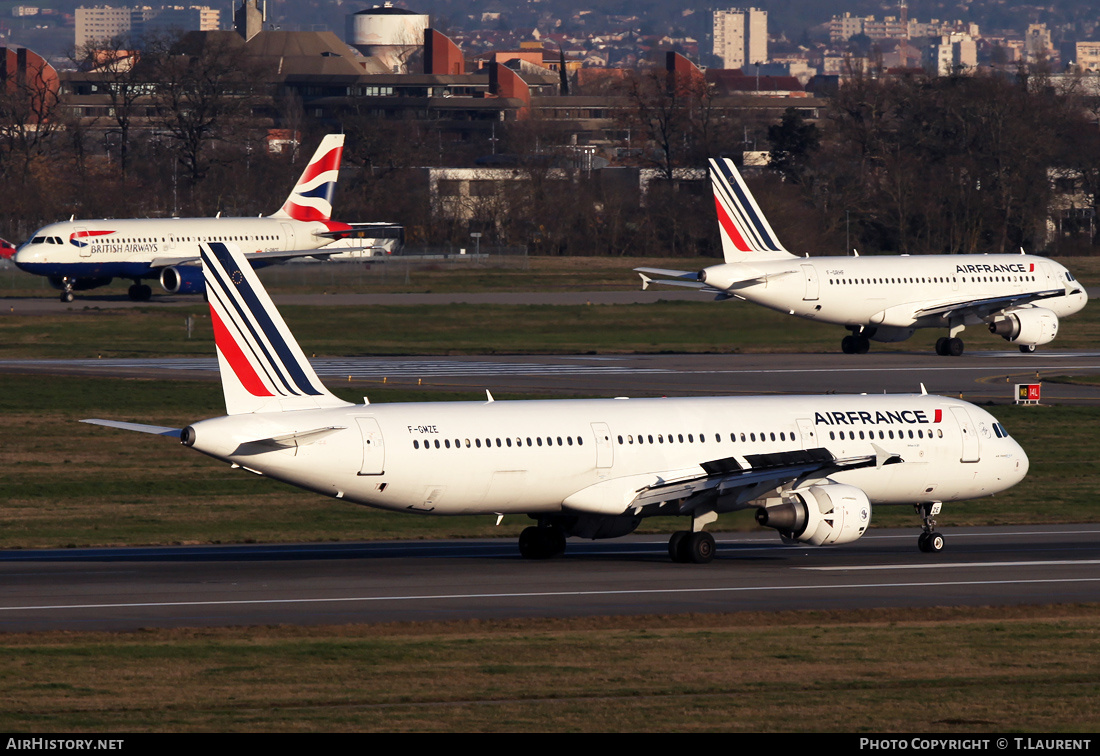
[392, 35]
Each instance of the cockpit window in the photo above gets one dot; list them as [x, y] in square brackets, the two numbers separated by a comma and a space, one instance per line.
[38, 240]
[1069, 276]
[1000, 430]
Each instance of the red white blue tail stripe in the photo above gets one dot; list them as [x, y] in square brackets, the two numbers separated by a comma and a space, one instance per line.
[746, 233]
[262, 367]
[311, 199]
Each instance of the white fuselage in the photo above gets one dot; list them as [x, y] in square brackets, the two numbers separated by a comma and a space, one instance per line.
[127, 248]
[593, 456]
[890, 291]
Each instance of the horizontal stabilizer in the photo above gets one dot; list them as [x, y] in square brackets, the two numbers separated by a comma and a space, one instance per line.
[156, 430]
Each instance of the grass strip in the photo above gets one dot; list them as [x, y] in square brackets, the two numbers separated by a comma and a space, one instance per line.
[937, 670]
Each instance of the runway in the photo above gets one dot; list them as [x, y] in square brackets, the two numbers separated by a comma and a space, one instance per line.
[978, 376]
[128, 589]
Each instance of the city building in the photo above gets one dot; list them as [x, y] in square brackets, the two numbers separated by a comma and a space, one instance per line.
[951, 53]
[741, 36]
[102, 23]
[1088, 56]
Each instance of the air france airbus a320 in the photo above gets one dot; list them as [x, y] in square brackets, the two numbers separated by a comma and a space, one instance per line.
[811, 466]
[84, 254]
[884, 298]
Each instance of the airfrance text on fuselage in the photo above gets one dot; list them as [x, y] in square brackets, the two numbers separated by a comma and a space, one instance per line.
[890, 417]
[1009, 268]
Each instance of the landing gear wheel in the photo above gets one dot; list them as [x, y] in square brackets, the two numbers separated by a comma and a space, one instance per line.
[855, 344]
[930, 543]
[675, 545]
[1027, 348]
[941, 346]
[697, 548]
[541, 543]
[955, 347]
[67, 296]
[140, 293]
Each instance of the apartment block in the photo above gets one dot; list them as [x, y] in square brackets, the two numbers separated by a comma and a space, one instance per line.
[741, 36]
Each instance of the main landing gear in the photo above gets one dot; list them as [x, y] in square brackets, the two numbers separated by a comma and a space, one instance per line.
[929, 541]
[691, 548]
[543, 542]
[949, 346]
[139, 292]
[856, 343]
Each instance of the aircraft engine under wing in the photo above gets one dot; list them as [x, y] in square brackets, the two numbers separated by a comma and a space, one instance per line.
[736, 484]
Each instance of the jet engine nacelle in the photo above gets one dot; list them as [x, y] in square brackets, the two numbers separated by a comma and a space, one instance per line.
[183, 279]
[1034, 326]
[821, 515]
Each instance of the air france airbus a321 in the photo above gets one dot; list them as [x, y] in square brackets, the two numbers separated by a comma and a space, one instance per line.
[84, 254]
[885, 298]
[811, 466]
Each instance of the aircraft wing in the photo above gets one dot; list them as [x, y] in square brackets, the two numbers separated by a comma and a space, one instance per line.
[273, 256]
[985, 307]
[727, 477]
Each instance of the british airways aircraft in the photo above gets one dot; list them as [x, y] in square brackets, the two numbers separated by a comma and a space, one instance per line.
[811, 466]
[880, 298]
[84, 254]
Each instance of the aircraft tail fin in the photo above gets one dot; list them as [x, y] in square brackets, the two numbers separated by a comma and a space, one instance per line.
[746, 234]
[262, 367]
[311, 198]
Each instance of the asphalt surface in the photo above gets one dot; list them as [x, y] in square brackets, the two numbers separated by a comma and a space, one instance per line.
[128, 589]
[976, 376]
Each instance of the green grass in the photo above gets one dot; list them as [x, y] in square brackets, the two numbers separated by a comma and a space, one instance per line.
[703, 326]
[999, 670]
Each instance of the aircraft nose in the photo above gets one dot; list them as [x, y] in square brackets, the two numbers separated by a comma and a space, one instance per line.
[1020, 464]
[23, 256]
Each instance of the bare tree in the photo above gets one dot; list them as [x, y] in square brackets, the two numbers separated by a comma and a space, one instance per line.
[117, 74]
[29, 112]
[206, 88]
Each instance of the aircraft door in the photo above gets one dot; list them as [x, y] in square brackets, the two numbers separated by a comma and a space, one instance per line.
[807, 432]
[605, 453]
[86, 250]
[970, 443]
[374, 450]
[288, 236]
[811, 282]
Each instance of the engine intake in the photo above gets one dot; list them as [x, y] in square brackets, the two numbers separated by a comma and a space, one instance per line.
[183, 279]
[820, 515]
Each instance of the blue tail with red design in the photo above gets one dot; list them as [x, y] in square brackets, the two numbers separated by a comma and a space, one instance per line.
[746, 234]
[311, 199]
[262, 367]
